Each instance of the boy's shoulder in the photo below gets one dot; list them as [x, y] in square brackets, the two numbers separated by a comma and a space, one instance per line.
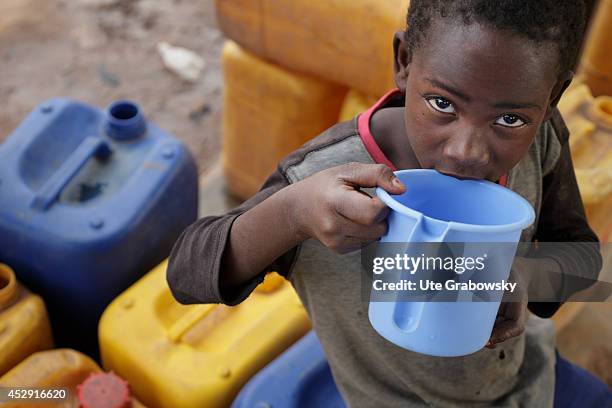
[337, 145]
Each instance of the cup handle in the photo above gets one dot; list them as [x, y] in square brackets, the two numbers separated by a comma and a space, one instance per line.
[407, 314]
[427, 231]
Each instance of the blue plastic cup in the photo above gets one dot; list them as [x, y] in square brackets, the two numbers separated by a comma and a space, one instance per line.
[439, 208]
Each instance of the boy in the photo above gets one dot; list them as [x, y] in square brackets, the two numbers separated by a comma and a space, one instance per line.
[478, 82]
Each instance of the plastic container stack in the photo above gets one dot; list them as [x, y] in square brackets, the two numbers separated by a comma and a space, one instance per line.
[347, 42]
[288, 86]
[268, 112]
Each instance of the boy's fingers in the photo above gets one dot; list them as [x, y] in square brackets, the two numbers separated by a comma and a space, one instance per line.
[507, 333]
[350, 244]
[367, 234]
[510, 322]
[371, 175]
[515, 310]
[506, 330]
[348, 228]
[361, 208]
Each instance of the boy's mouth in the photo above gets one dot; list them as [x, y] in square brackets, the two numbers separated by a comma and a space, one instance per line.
[460, 176]
[466, 177]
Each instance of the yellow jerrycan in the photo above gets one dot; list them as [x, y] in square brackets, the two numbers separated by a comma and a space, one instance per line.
[589, 120]
[24, 325]
[596, 60]
[183, 356]
[354, 104]
[70, 378]
[268, 112]
[348, 42]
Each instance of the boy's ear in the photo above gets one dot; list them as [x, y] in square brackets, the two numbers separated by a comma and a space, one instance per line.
[564, 81]
[400, 61]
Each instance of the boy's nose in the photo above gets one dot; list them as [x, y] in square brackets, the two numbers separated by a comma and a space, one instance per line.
[468, 154]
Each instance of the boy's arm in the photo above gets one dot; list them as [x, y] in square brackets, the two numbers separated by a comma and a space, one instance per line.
[199, 253]
[563, 221]
[222, 259]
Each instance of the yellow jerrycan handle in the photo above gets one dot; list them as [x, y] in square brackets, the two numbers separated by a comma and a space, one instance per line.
[188, 320]
[271, 284]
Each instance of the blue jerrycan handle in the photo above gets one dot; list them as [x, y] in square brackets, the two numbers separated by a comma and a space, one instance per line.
[91, 146]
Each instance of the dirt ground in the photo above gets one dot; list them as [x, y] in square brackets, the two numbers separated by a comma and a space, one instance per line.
[97, 51]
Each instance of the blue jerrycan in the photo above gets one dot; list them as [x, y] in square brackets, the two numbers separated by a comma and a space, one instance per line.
[90, 200]
[298, 378]
[477, 215]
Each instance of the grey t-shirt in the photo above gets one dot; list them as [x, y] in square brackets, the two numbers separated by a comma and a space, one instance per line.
[369, 370]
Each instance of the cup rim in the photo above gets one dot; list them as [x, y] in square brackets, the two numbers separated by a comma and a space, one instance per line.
[391, 202]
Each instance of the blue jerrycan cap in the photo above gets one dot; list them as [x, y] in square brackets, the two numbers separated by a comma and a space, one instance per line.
[124, 120]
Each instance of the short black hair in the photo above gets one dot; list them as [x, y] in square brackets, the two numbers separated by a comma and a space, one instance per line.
[560, 22]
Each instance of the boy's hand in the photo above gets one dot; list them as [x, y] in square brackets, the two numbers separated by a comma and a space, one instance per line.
[510, 322]
[512, 316]
[330, 207]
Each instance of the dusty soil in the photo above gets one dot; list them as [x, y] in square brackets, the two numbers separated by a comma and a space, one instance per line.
[97, 51]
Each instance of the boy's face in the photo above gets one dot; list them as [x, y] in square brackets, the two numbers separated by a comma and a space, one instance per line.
[475, 98]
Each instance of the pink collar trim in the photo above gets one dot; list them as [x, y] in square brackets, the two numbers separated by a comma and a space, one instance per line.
[363, 127]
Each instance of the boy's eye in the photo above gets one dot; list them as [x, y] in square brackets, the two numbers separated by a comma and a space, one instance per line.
[441, 104]
[510, 120]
